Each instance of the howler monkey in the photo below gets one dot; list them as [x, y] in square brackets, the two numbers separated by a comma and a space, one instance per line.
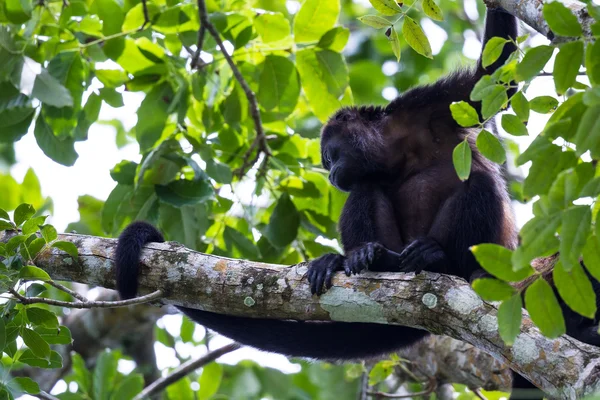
[407, 211]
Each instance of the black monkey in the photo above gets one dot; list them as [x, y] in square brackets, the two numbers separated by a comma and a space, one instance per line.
[406, 205]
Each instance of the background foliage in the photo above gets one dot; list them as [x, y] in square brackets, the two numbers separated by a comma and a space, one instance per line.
[61, 61]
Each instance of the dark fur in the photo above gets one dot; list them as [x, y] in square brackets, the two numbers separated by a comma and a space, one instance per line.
[407, 211]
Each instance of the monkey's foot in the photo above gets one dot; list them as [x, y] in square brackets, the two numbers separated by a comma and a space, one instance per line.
[363, 258]
[423, 254]
[321, 270]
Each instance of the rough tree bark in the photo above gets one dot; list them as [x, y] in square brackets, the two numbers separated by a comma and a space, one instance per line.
[441, 304]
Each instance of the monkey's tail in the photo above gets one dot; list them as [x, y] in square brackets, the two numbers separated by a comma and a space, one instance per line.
[129, 247]
[322, 340]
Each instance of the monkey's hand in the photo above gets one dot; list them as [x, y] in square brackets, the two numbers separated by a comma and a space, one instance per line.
[423, 254]
[363, 257]
[321, 270]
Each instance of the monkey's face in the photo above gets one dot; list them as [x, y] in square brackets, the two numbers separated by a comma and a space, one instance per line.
[352, 147]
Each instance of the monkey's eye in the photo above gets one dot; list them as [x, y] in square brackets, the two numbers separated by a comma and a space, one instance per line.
[326, 159]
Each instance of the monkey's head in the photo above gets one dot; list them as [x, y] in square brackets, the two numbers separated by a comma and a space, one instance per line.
[352, 145]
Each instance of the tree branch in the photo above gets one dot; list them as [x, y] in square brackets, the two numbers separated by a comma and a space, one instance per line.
[530, 12]
[442, 304]
[88, 303]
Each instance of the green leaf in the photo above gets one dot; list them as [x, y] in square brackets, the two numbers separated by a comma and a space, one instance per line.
[210, 380]
[55, 336]
[493, 101]
[23, 384]
[533, 62]
[23, 212]
[386, 7]
[592, 96]
[67, 247]
[152, 115]
[49, 91]
[561, 20]
[272, 26]
[576, 223]
[461, 158]
[538, 240]
[4, 215]
[6, 226]
[375, 21]
[314, 18]
[18, 11]
[543, 104]
[2, 334]
[60, 150]
[575, 289]
[183, 192]
[415, 37]
[104, 375]
[544, 309]
[219, 172]
[381, 371]
[588, 133]
[566, 65]
[33, 225]
[432, 10]
[40, 316]
[497, 260]
[36, 344]
[464, 114]
[509, 319]
[80, 373]
[513, 125]
[129, 387]
[493, 289]
[187, 330]
[395, 41]
[241, 242]
[55, 361]
[483, 86]
[180, 390]
[493, 50]
[546, 168]
[335, 39]
[520, 106]
[49, 233]
[284, 222]
[279, 85]
[33, 273]
[490, 147]
[591, 256]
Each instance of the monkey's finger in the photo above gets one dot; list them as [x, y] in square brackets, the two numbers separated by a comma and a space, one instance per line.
[347, 269]
[320, 281]
[328, 275]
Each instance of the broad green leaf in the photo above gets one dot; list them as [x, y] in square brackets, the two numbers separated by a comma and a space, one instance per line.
[55, 336]
[105, 373]
[33, 273]
[23, 384]
[497, 260]
[415, 37]
[375, 21]
[4, 215]
[17, 11]
[591, 188]
[493, 101]
[33, 225]
[80, 373]
[219, 172]
[129, 387]
[535, 59]
[22, 213]
[482, 88]
[386, 7]
[182, 192]
[49, 91]
[36, 344]
[29, 358]
[490, 289]
[210, 380]
[461, 158]
[464, 114]
[246, 247]
[566, 118]
[284, 222]
[279, 85]
[509, 319]
[432, 10]
[335, 71]
[591, 256]
[152, 115]
[49, 233]
[395, 41]
[513, 125]
[520, 106]
[335, 39]
[67, 247]
[566, 65]
[576, 225]
[492, 51]
[592, 62]
[546, 168]
[187, 330]
[314, 18]
[544, 309]
[272, 26]
[2, 334]
[543, 104]
[564, 189]
[538, 240]
[381, 371]
[561, 20]
[40, 316]
[592, 96]
[6, 226]
[575, 289]
[61, 150]
[588, 133]
[490, 147]
[180, 390]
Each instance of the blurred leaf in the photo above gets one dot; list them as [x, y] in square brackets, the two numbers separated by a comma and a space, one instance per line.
[375, 21]
[386, 7]
[335, 39]
[561, 20]
[395, 41]
[22, 213]
[180, 390]
[183, 192]
[129, 387]
[210, 380]
[432, 10]
[576, 223]
[314, 18]
[60, 150]
[23, 384]
[284, 222]
[272, 27]
[497, 260]
[588, 133]
[105, 373]
[49, 91]
[493, 50]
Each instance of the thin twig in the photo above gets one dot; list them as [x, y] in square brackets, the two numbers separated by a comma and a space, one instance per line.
[46, 396]
[260, 140]
[431, 386]
[183, 370]
[65, 289]
[477, 392]
[88, 304]
[543, 73]
[201, 34]
[146, 15]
